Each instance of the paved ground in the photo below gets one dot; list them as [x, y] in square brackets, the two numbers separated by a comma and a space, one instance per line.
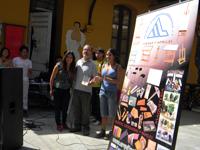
[46, 137]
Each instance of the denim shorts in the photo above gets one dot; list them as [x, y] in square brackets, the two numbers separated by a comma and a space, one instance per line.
[108, 103]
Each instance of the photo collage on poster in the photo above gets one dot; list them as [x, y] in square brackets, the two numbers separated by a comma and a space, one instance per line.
[148, 109]
[146, 117]
[169, 109]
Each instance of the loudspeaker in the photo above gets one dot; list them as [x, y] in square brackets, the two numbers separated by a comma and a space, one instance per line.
[11, 112]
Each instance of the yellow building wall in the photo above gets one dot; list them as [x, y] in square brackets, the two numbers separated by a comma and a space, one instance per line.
[78, 10]
[74, 10]
[101, 28]
[15, 12]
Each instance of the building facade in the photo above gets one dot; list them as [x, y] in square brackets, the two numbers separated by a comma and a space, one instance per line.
[104, 23]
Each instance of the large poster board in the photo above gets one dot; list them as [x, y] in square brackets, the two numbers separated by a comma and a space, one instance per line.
[148, 113]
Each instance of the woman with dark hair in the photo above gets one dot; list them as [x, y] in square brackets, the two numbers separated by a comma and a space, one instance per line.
[60, 83]
[5, 60]
[109, 78]
[25, 63]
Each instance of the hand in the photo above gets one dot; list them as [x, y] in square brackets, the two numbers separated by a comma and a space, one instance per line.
[106, 78]
[98, 79]
[51, 92]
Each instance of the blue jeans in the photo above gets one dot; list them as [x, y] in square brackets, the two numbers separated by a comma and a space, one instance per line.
[108, 103]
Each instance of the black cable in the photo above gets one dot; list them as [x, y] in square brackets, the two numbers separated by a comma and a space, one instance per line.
[57, 140]
[38, 124]
[30, 124]
[42, 116]
[90, 145]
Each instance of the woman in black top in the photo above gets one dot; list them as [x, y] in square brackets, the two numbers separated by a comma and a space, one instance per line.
[60, 83]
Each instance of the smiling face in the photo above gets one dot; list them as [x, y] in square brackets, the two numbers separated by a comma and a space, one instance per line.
[110, 57]
[87, 52]
[69, 59]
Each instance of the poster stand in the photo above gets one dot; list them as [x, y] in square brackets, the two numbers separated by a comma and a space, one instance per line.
[149, 110]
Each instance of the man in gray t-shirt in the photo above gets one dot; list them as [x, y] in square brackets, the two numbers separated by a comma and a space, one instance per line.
[80, 102]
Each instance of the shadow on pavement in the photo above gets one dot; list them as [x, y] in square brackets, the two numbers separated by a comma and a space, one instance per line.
[189, 118]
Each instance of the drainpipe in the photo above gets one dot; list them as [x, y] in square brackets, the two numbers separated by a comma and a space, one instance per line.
[91, 11]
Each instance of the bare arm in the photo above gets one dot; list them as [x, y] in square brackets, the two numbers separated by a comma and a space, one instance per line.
[53, 75]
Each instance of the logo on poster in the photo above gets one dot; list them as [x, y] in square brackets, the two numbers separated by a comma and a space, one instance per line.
[160, 26]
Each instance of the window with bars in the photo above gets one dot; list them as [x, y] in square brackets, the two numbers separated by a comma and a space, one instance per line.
[121, 32]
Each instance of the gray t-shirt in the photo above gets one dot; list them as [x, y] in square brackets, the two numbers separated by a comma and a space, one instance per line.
[85, 70]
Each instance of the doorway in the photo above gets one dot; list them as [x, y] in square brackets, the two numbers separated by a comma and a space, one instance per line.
[40, 32]
[45, 31]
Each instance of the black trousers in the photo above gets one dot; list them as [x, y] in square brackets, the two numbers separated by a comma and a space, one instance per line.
[61, 98]
[95, 103]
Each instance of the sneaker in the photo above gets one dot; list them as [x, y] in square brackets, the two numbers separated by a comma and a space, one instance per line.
[101, 134]
[108, 136]
[59, 128]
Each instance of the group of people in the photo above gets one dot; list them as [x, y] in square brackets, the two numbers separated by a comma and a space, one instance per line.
[76, 85]
[22, 61]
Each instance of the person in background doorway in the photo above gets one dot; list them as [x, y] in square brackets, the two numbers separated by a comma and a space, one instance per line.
[60, 83]
[79, 108]
[25, 63]
[5, 60]
[95, 104]
[75, 39]
[108, 92]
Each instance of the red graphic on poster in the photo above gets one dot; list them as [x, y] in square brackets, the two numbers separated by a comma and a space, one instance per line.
[14, 38]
